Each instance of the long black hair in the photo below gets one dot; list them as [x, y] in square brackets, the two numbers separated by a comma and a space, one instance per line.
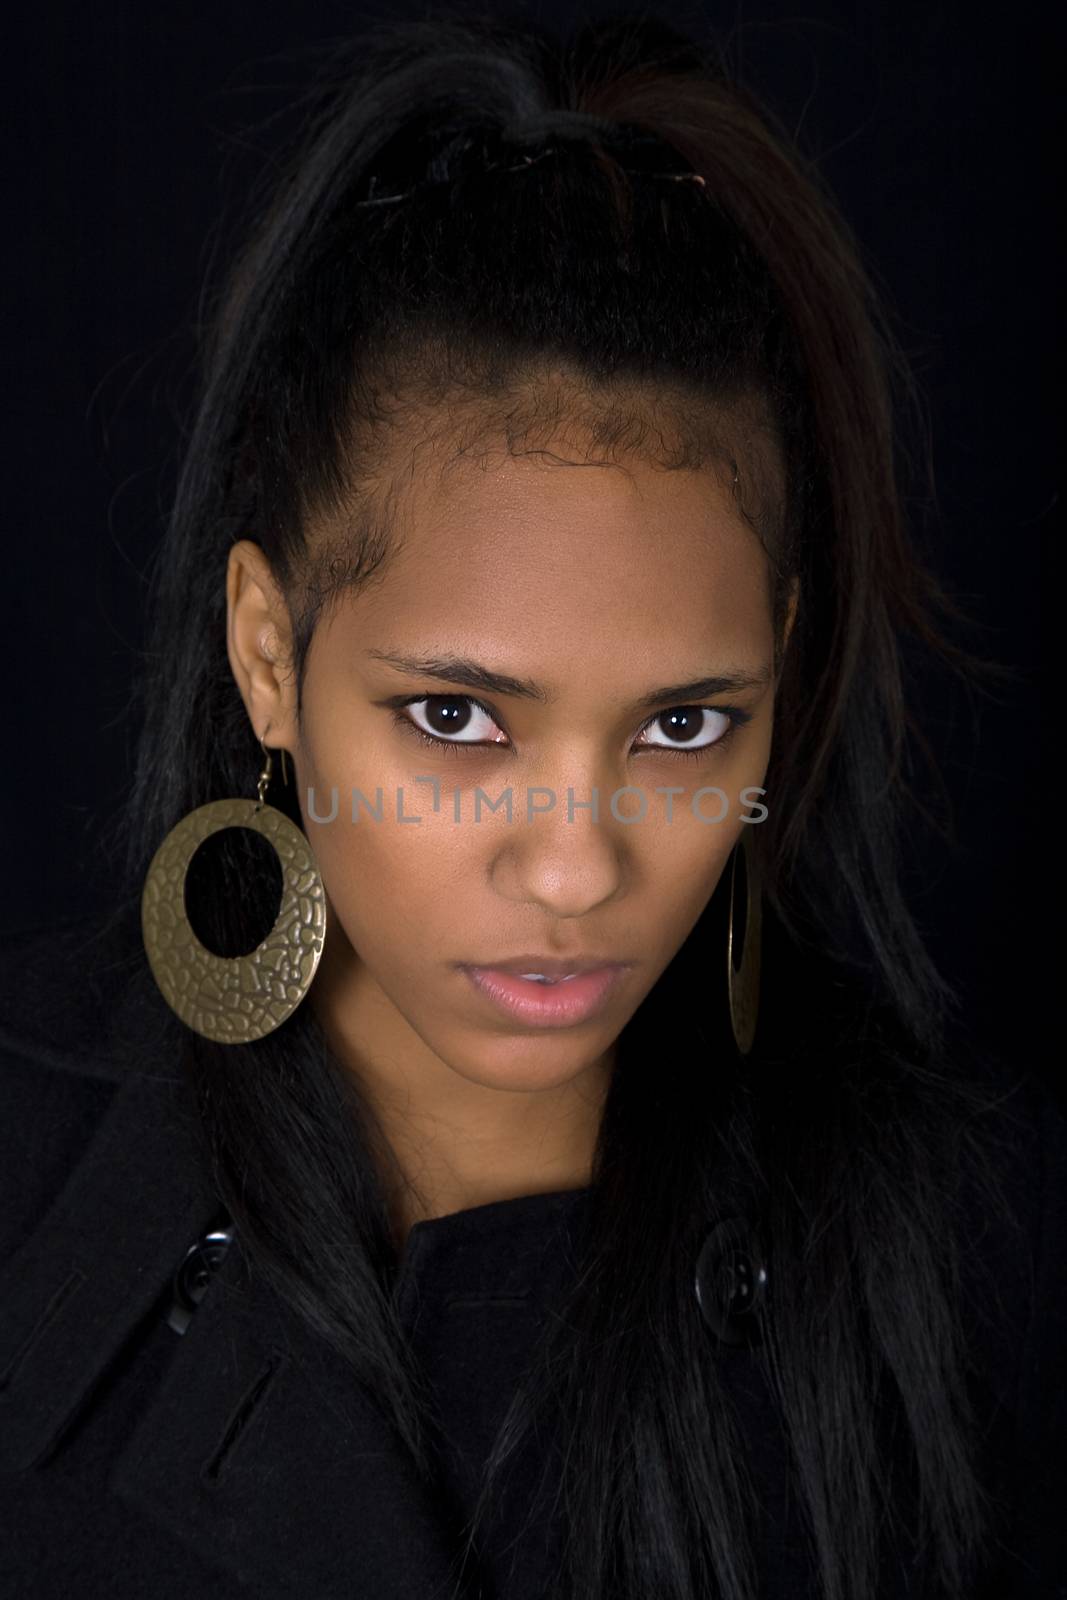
[396, 269]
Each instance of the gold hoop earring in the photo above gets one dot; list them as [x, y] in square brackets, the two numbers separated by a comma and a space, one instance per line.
[234, 1000]
[743, 977]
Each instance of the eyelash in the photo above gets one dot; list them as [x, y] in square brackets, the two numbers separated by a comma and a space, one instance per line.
[738, 717]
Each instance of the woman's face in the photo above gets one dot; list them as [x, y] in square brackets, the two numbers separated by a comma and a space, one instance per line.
[605, 591]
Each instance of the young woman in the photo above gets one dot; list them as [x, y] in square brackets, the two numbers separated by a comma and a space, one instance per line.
[508, 1141]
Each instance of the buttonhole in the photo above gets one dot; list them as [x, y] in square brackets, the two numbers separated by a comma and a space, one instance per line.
[49, 1314]
[239, 1421]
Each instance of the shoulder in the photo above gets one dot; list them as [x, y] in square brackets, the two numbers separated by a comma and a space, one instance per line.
[1014, 1130]
[61, 983]
[64, 988]
[1011, 1231]
[1014, 1244]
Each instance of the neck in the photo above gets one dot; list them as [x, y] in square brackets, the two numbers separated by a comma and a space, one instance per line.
[451, 1143]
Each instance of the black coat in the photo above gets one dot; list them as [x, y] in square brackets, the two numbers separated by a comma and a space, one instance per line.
[159, 1440]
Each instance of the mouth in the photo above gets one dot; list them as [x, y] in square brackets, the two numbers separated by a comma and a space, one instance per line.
[548, 1000]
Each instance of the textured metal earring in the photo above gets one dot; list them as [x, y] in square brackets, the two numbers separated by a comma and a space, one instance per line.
[234, 999]
[743, 968]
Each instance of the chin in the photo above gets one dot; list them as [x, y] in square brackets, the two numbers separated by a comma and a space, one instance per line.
[525, 1063]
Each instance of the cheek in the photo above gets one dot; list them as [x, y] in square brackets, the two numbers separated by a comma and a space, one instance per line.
[345, 745]
[400, 890]
[689, 860]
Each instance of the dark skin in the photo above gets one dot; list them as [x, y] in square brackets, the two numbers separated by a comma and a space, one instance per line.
[599, 583]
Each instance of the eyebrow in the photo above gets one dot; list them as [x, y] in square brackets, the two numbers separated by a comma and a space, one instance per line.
[474, 675]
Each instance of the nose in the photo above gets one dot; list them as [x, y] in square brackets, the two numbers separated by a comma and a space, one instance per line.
[562, 858]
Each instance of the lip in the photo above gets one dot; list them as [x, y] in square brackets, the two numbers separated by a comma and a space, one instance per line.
[551, 966]
[561, 1005]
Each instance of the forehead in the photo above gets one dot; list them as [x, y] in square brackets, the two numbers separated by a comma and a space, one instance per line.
[566, 552]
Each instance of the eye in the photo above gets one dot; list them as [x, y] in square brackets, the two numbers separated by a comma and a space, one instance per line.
[448, 716]
[696, 735]
[460, 720]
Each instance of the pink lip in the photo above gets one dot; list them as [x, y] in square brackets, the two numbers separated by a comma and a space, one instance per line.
[559, 1005]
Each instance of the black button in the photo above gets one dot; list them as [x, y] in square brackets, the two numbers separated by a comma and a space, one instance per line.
[194, 1274]
[731, 1281]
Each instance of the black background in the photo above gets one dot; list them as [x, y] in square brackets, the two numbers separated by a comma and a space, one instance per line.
[137, 131]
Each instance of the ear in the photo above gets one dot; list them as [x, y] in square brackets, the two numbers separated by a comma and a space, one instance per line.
[259, 645]
[791, 611]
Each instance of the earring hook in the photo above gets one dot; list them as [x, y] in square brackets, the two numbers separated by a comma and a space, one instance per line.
[264, 777]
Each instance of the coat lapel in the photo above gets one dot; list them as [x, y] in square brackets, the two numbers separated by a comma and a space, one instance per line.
[97, 1263]
[260, 1444]
[257, 1442]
